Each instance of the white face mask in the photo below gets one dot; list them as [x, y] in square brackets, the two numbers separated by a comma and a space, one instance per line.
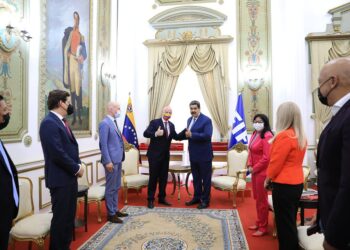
[117, 115]
[258, 126]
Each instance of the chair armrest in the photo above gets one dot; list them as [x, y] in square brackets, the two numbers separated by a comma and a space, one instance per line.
[214, 168]
[242, 173]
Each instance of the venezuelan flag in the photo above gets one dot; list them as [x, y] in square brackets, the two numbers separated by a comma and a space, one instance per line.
[129, 128]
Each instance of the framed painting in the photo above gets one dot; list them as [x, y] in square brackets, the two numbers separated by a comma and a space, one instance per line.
[13, 67]
[103, 56]
[65, 56]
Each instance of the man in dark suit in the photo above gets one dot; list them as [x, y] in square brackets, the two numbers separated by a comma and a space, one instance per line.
[199, 132]
[333, 156]
[62, 167]
[161, 131]
[9, 198]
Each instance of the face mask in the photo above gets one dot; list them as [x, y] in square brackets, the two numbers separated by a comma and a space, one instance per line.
[70, 109]
[321, 98]
[166, 116]
[258, 126]
[6, 121]
[117, 115]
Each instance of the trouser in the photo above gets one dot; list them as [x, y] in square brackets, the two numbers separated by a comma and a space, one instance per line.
[201, 173]
[285, 205]
[262, 206]
[64, 203]
[113, 181]
[158, 171]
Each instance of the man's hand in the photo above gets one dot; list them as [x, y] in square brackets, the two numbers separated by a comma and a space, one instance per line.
[326, 246]
[188, 133]
[109, 167]
[159, 132]
[80, 172]
[267, 183]
[250, 169]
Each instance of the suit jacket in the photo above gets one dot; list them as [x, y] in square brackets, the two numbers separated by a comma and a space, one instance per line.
[61, 152]
[259, 153]
[286, 159]
[159, 146]
[199, 145]
[333, 163]
[6, 185]
[111, 143]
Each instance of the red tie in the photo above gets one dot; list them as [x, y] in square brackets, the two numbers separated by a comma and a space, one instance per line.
[67, 127]
[166, 129]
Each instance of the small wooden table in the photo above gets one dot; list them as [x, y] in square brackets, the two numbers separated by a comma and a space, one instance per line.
[82, 192]
[306, 203]
[180, 169]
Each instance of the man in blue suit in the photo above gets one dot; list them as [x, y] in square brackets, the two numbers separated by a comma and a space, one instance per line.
[9, 198]
[62, 167]
[199, 132]
[112, 156]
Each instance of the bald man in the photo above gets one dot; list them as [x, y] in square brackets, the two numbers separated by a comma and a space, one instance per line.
[112, 156]
[161, 131]
[333, 156]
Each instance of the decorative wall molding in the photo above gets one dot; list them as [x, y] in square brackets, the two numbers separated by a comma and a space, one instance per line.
[42, 189]
[178, 2]
[254, 58]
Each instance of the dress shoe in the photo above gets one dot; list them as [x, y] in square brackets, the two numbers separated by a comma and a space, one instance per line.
[164, 202]
[254, 227]
[121, 214]
[203, 205]
[258, 234]
[192, 202]
[114, 219]
[150, 204]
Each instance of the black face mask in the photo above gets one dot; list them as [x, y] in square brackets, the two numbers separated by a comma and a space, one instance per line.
[70, 109]
[6, 121]
[321, 98]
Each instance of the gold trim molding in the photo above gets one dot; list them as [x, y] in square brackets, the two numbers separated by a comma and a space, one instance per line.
[156, 42]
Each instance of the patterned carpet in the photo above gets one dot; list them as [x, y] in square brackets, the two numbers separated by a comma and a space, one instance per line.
[171, 228]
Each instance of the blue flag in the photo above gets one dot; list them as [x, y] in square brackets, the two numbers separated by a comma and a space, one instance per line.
[239, 129]
[129, 131]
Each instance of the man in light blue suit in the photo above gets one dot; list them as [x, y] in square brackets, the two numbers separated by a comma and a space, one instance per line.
[112, 156]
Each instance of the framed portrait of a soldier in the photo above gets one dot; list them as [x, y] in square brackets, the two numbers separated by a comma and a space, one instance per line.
[65, 58]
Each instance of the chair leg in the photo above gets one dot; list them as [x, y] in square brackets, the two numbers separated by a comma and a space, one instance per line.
[234, 196]
[30, 244]
[41, 243]
[274, 232]
[126, 196]
[78, 207]
[99, 212]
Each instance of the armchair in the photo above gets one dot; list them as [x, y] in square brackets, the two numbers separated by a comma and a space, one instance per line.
[235, 180]
[27, 225]
[131, 178]
[96, 193]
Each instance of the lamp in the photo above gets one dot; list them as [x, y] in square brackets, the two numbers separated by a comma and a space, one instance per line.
[23, 33]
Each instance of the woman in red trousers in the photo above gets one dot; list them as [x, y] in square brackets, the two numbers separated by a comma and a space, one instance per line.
[258, 160]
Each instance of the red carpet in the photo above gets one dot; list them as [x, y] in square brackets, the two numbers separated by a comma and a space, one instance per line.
[219, 199]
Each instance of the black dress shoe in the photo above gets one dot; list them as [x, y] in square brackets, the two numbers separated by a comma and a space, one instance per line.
[164, 202]
[192, 202]
[114, 219]
[150, 204]
[203, 205]
[121, 214]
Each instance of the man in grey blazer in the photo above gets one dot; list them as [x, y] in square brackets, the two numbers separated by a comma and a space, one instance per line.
[112, 155]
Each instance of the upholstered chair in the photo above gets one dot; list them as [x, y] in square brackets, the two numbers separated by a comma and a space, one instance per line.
[131, 177]
[306, 172]
[235, 179]
[29, 226]
[96, 193]
[312, 242]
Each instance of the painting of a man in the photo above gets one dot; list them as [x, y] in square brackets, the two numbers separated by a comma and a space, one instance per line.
[74, 55]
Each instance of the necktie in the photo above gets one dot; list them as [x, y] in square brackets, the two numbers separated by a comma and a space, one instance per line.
[166, 129]
[7, 163]
[192, 123]
[116, 124]
[67, 127]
